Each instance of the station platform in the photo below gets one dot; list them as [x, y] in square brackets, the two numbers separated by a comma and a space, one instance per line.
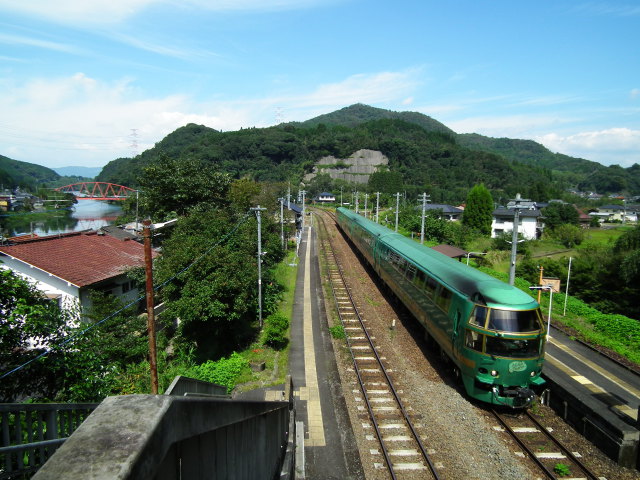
[323, 426]
[595, 395]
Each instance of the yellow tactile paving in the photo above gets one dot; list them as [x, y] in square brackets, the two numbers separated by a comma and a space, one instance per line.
[612, 378]
[311, 392]
[604, 395]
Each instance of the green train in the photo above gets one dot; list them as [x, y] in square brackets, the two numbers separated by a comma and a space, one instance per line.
[493, 332]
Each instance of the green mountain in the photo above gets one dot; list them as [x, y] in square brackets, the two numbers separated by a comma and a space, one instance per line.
[14, 173]
[426, 153]
[358, 114]
[585, 175]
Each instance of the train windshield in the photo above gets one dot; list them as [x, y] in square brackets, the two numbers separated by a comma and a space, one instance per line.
[518, 348]
[514, 321]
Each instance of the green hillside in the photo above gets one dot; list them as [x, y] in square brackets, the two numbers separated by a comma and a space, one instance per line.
[14, 173]
[430, 160]
[585, 175]
[358, 114]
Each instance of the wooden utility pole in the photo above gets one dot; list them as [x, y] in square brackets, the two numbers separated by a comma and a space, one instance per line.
[151, 322]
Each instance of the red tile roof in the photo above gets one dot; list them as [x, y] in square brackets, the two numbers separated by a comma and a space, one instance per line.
[79, 258]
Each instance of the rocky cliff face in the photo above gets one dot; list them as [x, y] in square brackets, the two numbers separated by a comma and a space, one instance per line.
[357, 168]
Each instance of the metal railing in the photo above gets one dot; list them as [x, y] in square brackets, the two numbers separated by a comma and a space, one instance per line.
[31, 433]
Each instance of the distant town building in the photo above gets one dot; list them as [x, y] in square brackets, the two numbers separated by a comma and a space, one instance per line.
[326, 197]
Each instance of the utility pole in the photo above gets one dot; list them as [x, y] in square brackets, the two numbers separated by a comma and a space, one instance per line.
[303, 193]
[282, 221]
[397, 208]
[260, 253]
[377, 206]
[424, 206]
[514, 239]
[151, 321]
[566, 292]
[366, 197]
[357, 201]
[137, 229]
[340, 196]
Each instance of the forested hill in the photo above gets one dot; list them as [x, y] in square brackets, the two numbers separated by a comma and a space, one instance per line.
[14, 173]
[431, 160]
[586, 175]
[357, 114]
[423, 151]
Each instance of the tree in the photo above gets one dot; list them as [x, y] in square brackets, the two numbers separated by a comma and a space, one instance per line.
[385, 182]
[172, 186]
[478, 212]
[30, 323]
[216, 298]
[557, 214]
[568, 235]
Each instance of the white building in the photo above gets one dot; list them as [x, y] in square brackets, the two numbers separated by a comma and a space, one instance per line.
[530, 224]
[65, 267]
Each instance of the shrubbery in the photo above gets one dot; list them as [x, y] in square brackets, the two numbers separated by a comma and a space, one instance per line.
[275, 331]
[223, 372]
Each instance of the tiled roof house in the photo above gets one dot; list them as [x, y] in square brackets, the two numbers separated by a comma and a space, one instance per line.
[65, 267]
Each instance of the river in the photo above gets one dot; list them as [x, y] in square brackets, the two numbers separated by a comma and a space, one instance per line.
[86, 214]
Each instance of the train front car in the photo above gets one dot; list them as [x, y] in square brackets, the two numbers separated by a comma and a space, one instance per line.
[492, 331]
[503, 346]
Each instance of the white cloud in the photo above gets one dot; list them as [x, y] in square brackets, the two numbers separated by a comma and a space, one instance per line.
[33, 42]
[97, 12]
[611, 146]
[635, 93]
[78, 11]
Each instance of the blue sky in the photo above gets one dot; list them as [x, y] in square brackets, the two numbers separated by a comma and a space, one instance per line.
[85, 82]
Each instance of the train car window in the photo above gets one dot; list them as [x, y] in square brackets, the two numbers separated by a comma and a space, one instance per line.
[394, 258]
[430, 287]
[515, 348]
[402, 264]
[478, 316]
[473, 340]
[419, 280]
[411, 271]
[514, 321]
[443, 300]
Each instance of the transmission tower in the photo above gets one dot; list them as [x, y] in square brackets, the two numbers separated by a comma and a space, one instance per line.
[134, 142]
[279, 115]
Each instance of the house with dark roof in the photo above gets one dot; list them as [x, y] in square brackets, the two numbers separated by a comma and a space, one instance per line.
[447, 212]
[66, 267]
[326, 197]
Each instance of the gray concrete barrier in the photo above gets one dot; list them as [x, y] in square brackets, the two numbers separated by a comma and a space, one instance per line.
[169, 437]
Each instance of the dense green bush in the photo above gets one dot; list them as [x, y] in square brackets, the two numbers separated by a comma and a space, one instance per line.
[223, 372]
[275, 331]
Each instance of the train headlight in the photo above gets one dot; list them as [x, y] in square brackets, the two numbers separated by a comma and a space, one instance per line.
[494, 373]
[533, 373]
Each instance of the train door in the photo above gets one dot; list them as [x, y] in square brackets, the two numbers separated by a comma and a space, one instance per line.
[454, 337]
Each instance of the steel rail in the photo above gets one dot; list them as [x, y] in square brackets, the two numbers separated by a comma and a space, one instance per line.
[569, 453]
[384, 371]
[549, 473]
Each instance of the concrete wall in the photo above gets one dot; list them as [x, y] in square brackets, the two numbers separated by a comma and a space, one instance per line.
[166, 437]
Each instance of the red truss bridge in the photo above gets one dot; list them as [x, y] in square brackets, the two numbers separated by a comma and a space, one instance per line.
[97, 191]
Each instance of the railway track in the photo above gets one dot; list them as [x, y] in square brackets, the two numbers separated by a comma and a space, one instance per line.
[401, 449]
[542, 447]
